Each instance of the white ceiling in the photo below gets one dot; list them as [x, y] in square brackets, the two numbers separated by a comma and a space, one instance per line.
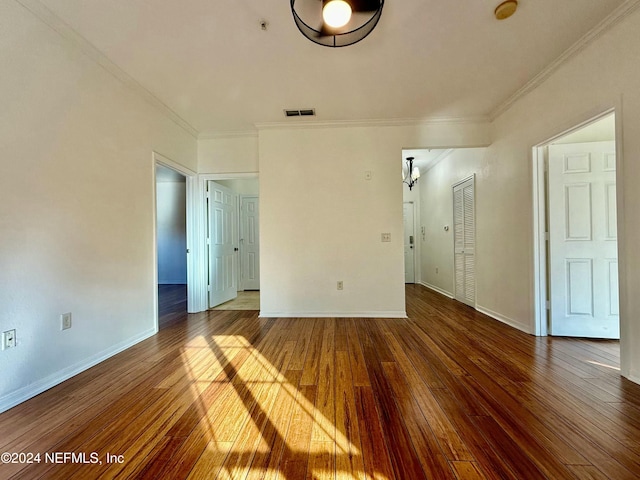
[211, 63]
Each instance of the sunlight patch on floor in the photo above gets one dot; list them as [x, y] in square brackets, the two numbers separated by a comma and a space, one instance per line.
[258, 412]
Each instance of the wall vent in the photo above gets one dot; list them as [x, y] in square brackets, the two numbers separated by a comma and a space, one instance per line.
[303, 112]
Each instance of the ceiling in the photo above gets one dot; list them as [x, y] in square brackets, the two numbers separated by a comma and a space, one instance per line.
[211, 64]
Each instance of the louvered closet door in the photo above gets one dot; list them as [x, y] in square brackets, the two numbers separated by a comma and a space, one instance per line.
[464, 234]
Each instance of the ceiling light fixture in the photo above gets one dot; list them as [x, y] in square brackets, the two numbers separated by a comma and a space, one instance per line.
[339, 22]
[412, 174]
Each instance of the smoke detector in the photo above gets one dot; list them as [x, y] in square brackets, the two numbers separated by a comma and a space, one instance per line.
[506, 9]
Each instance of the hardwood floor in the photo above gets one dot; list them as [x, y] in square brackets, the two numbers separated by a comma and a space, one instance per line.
[172, 304]
[446, 394]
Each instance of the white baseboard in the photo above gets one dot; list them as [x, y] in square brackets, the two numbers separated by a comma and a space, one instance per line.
[634, 379]
[503, 319]
[437, 289]
[385, 314]
[14, 398]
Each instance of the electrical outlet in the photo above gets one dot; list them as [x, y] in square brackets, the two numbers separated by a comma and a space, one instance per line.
[65, 321]
[436, 269]
[386, 237]
[340, 285]
[8, 339]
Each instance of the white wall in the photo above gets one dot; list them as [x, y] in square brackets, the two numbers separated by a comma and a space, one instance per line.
[77, 206]
[171, 230]
[436, 206]
[242, 186]
[605, 74]
[321, 220]
[235, 154]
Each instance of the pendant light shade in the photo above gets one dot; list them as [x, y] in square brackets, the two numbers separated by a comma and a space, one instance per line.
[336, 23]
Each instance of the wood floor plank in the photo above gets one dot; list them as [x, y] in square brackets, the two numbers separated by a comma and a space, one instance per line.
[428, 451]
[377, 462]
[349, 461]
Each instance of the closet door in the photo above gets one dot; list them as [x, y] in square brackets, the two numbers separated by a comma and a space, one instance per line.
[464, 237]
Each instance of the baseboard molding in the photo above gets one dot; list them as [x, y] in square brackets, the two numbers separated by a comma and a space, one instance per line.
[437, 289]
[633, 378]
[385, 314]
[503, 319]
[15, 398]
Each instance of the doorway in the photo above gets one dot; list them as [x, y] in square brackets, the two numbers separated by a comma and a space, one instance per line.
[171, 187]
[578, 250]
[233, 240]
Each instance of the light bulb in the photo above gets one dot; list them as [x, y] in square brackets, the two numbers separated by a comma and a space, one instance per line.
[336, 13]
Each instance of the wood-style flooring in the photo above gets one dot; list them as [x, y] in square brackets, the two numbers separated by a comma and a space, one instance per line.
[247, 300]
[447, 394]
[172, 304]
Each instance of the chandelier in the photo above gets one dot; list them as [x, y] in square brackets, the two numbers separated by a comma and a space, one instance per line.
[412, 174]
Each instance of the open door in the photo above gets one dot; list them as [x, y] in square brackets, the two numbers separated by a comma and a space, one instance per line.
[222, 244]
[583, 240]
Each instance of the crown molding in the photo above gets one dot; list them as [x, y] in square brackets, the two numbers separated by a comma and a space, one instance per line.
[231, 134]
[391, 122]
[45, 15]
[605, 25]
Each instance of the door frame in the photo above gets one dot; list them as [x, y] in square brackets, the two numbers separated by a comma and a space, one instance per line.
[540, 234]
[194, 286]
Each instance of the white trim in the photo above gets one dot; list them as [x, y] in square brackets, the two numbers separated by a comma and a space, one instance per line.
[392, 122]
[381, 314]
[45, 15]
[540, 317]
[437, 290]
[619, 14]
[196, 283]
[501, 318]
[230, 134]
[16, 397]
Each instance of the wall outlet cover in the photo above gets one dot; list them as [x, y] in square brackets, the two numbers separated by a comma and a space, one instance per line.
[65, 321]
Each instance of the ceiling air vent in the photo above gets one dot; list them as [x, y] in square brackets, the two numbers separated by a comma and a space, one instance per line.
[305, 112]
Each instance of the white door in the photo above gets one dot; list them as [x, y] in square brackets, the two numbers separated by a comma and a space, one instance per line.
[409, 243]
[464, 238]
[222, 244]
[250, 243]
[583, 240]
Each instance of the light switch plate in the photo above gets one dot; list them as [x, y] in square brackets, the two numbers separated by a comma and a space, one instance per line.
[8, 339]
